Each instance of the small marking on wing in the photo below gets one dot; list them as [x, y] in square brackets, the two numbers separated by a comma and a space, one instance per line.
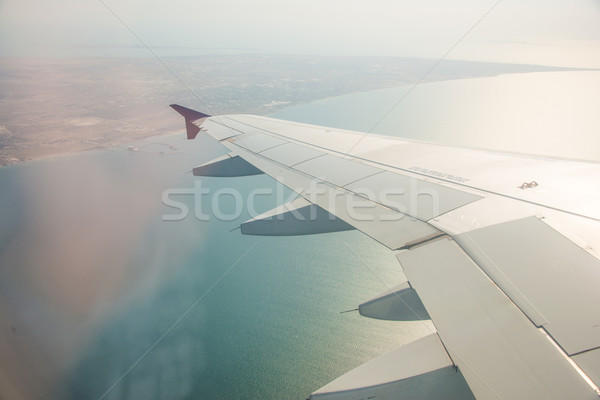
[528, 185]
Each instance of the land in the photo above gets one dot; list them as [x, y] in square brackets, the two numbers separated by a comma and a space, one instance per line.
[50, 107]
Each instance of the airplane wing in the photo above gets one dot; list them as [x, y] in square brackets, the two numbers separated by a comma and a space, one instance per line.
[501, 252]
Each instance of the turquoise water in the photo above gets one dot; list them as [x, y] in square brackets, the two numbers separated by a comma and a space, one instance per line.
[112, 301]
[270, 329]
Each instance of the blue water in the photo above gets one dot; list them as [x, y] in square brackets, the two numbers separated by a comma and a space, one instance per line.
[115, 302]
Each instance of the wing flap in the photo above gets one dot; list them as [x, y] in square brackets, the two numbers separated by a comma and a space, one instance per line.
[487, 336]
[550, 278]
[421, 369]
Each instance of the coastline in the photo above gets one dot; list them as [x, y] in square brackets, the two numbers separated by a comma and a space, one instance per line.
[60, 106]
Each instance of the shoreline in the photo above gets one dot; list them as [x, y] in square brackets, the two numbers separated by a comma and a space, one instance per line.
[55, 107]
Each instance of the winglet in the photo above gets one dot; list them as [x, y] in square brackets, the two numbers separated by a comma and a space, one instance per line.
[188, 113]
[190, 116]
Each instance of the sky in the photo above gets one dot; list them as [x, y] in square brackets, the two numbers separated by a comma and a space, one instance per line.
[548, 32]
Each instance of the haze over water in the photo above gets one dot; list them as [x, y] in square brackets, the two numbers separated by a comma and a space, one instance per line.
[545, 113]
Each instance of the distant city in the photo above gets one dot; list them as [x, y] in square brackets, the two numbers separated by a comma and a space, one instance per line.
[50, 107]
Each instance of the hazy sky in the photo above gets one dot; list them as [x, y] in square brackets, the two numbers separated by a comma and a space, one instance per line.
[539, 31]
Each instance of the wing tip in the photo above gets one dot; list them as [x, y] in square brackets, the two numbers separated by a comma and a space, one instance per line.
[190, 116]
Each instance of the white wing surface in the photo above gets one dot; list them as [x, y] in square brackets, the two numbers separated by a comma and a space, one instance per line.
[501, 252]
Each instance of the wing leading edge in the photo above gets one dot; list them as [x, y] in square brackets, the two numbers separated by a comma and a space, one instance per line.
[507, 273]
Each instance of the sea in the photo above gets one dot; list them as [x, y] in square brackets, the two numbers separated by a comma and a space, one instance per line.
[123, 276]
